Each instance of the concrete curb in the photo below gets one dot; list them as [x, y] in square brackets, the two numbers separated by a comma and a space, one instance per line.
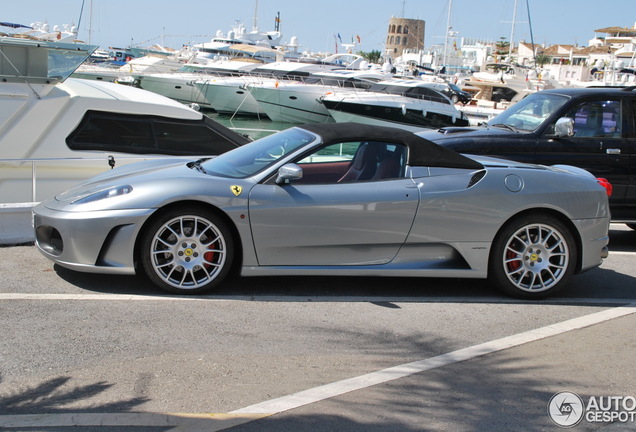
[15, 223]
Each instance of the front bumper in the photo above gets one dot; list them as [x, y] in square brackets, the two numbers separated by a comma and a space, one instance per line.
[95, 242]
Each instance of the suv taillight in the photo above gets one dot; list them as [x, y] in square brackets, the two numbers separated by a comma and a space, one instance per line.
[606, 184]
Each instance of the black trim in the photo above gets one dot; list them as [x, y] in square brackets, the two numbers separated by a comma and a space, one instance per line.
[422, 152]
[148, 134]
[432, 119]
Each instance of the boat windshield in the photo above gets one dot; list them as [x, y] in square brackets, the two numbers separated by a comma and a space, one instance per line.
[33, 60]
[252, 158]
[416, 92]
[529, 113]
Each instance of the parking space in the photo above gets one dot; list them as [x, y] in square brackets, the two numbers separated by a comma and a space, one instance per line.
[339, 353]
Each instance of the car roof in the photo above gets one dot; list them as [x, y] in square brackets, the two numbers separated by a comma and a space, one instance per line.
[422, 152]
[593, 91]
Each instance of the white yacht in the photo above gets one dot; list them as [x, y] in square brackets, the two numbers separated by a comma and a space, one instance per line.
[409, 104]
[56, 131]
[180, 86]
[298, 101]
[231, 96]
[114, 72]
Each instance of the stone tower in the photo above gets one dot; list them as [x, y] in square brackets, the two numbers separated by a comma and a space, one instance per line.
[403, 34]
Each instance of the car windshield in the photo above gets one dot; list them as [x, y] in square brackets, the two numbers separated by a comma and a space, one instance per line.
[529, 113]
[254, 157]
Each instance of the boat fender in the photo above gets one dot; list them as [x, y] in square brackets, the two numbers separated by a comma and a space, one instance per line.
[403, 109]
[424, 113]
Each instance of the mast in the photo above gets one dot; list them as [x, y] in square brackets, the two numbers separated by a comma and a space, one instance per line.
[448, 28]
[534, 52]
[255, 26]
[512, 31]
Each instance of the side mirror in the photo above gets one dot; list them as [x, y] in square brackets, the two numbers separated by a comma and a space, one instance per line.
[564, 127]
[289, 172]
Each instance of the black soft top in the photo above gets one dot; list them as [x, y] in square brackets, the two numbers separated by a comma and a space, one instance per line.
[422, 152]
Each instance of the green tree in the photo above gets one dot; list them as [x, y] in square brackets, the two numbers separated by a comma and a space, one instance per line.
[371, 56]
[542, 59]
[502, 47]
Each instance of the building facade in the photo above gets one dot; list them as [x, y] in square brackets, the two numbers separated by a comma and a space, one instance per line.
[404, 34]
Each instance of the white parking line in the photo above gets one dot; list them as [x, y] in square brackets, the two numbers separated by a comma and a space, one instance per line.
[327, 391]
[216, 422]
[623, 253]
[296, 299]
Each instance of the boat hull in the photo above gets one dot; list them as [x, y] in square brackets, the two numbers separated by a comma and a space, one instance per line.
[401, 115]
[292, 103]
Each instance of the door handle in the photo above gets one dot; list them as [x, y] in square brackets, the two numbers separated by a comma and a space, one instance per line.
[613, 151]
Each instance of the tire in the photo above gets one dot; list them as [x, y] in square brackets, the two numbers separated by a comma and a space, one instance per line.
[171, 248]
[533, 257]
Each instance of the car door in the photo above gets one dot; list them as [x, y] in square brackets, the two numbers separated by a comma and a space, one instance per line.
[600, 143]
[339, 217]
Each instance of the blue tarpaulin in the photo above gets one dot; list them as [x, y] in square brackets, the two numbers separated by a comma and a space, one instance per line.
[12, 25]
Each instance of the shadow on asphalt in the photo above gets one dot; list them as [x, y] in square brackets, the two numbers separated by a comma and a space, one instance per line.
[598, 284]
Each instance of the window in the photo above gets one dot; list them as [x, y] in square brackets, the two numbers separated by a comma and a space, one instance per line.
[406, 29]
[399, 29]
[353, 162]
[397, 40]
[597, 119]
[140, 134]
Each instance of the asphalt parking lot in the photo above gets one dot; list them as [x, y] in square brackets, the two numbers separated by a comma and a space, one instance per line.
[112, 353]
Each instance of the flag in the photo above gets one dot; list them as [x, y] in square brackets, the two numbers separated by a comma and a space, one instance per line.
[339, 38]
[358, 37]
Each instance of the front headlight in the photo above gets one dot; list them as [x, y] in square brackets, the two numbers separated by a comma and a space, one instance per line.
[106, 193]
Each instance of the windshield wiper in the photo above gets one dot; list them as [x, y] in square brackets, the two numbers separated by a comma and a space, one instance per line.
[505, 126]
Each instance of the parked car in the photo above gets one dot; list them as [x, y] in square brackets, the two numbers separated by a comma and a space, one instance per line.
[455, 94]
[332, 199]
[592, 128]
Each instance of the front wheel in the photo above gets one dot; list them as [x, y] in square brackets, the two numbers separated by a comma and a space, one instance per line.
[187, 250]
[533, 257]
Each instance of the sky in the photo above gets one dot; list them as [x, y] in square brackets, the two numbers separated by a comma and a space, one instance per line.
[121, 23]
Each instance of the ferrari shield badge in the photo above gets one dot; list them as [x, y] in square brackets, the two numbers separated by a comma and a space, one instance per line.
[236, 190]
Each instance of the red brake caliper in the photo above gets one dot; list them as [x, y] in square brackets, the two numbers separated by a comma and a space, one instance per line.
[513, 265]
[209, 256]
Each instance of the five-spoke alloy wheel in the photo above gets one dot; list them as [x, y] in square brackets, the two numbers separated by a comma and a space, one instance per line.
[187, 250]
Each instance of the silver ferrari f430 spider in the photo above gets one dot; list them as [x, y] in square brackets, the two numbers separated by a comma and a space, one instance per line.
[333, 199]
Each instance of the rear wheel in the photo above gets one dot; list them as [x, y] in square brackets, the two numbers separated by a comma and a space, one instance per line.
[533, 257]
[187, 250]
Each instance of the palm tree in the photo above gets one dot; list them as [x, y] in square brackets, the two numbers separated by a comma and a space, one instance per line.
[371, 56]
[542, 59]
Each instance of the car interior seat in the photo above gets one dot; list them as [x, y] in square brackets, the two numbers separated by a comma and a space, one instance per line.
[364, 163]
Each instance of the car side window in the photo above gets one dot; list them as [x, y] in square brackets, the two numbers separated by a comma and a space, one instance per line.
[596, 119]
[348, 162]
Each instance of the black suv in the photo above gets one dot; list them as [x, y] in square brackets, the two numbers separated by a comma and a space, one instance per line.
[592, 128]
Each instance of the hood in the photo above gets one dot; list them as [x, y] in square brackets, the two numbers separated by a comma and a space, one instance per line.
[132, 174]
[463, 133]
